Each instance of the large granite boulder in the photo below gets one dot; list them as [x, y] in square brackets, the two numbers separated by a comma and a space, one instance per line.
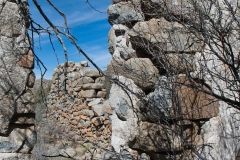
[140, 70]
[165, 36]
[124, 118]
[158, 8]
[19, 140]
[153, 137]
[123, 13]
[177, 97]
[12, 23]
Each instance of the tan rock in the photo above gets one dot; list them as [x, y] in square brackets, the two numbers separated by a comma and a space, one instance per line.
[105, 131]
[153, 137]
[160, 32]
[77, 138]
[98, 120]
[65, 115]
[78, 118]
[77, 89]
[101, 94]
[76, 113]
[87, 94]
[179, 63]
[106, 122]
[89, 129]
[75, 94]
[70, 111]
[83, 117]
[92, 86]
[100, 80]
[87, 112]
[60, 93]
[80, 107]
[70, 91]
[89, 134]
[27, 60]
[84, 80]
[106, 107]
[74, 122]
[194, 104]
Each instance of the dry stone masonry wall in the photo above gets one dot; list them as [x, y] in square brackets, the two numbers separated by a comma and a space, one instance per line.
[77, 124]
[17, 113]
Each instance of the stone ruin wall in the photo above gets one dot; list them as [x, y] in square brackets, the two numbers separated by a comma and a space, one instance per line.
[17, 112]
[77, 123]
[137, 113]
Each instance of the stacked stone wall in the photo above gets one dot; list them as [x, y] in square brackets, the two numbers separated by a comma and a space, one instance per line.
[77, 124]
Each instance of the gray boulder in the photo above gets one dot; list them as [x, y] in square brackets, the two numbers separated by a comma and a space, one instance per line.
[124, 12]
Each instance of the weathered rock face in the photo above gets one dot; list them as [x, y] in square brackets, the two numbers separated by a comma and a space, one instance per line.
[194, 104]
[78, 120]
[170, 112]
[154, 138]
[17, 132]
[159, 32]
[145, 73]
[124, 115]
[123, 12]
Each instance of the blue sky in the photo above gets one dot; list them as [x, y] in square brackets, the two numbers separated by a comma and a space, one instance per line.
[88, 26]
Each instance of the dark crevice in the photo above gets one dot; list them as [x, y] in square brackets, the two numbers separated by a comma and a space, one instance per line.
[131, 24]
[147, 91]
[119, 33]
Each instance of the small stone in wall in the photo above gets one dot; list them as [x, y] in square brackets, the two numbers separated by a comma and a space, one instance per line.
[95, 101]
[101, 94]
[98, 120]
[98, 109]
[106, 107]
[84, 63]
[87, 94]
[92, 86]
[84, 80]
[89, 72]
[87, 112]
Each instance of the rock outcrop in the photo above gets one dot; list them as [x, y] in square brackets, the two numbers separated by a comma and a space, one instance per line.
[164, 107]
[17, 112]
